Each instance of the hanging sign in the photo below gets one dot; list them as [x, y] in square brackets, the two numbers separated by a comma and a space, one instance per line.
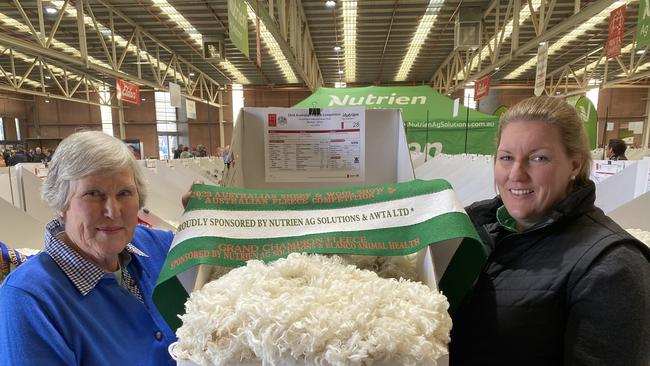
[190, 106]
[482, 87]
[643, 25]
[174, 95]
[238, 25]
[127, 92]
[616, 30]
[540, 78]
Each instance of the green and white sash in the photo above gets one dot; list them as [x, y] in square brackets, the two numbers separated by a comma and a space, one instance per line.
[228, 226]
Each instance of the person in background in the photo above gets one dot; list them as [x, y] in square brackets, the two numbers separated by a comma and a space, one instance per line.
[202, 152]
[47, 156]
[38, 155]
[86, 298]
[177, 152]
[563, 284]
[186, 154]
[226, 156]
[2, 161]
[18, 157]
[616, 149]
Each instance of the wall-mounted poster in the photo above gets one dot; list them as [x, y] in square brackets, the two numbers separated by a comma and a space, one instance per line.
[136, 147]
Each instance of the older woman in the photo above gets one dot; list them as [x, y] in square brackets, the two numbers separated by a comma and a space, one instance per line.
[86, 299]
[564, 284]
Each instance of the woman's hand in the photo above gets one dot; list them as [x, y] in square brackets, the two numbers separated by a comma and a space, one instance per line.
[188, 194]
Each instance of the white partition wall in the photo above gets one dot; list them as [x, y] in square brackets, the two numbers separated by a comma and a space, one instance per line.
[30, 193]
[634, 214]
[6, 184]
[471, 176]
[623, 186]
[18, 229]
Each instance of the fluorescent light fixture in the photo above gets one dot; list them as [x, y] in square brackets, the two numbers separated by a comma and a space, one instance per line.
[337, 49]
[274, 49]
[421, 35]
[340, 71]
[192, 74]
[330, 3]
[47, 100]
[48, 77]
[180, 20]
[350, 38]
[582, 29]
[50, 10]
[640, 52]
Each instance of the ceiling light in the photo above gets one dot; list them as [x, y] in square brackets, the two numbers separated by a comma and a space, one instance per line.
[339, 84]
[497, 68]
[340, 71]
[640, 52]
[143, 99]
[350, 38]
[421, 34]
[330, 3]
[274, 49]
[337, 48]
[191, 74]
[48, 77]
[47, 100]
[50, 10]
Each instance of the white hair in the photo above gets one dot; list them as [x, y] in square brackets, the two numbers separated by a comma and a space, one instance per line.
[84, 154]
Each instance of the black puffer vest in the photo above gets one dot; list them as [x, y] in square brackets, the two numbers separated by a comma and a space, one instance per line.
[516, 314]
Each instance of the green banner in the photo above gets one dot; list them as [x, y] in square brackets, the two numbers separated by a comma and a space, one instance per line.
[643, 25]
[238, 25]
[428, 116]
[228, 226]
[501, 110]
[589, 116]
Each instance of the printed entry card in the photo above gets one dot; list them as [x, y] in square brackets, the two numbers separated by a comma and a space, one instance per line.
[324, 147]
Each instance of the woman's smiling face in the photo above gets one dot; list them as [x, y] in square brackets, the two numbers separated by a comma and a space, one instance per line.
[532, 170]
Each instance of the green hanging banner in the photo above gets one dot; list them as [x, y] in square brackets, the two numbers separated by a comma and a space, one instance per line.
[238, 25]
[428, 116]
[643, 25]
[589, 116]
[229, 226]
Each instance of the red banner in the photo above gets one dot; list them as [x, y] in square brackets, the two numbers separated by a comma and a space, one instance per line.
[482, 87]
[127, 92]
[616, 30]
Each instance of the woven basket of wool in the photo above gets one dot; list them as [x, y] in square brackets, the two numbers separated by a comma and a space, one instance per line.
[315, 310]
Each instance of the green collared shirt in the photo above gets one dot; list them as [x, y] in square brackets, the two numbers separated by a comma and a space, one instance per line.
[505, 220]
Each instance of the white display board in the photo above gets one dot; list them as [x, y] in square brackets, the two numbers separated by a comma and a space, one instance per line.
[387, 158]
[327, 146]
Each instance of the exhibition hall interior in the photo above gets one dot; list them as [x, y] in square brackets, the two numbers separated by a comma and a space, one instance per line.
[311, 182]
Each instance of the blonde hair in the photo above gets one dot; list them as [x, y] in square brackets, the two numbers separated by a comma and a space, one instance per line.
[555, 112]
